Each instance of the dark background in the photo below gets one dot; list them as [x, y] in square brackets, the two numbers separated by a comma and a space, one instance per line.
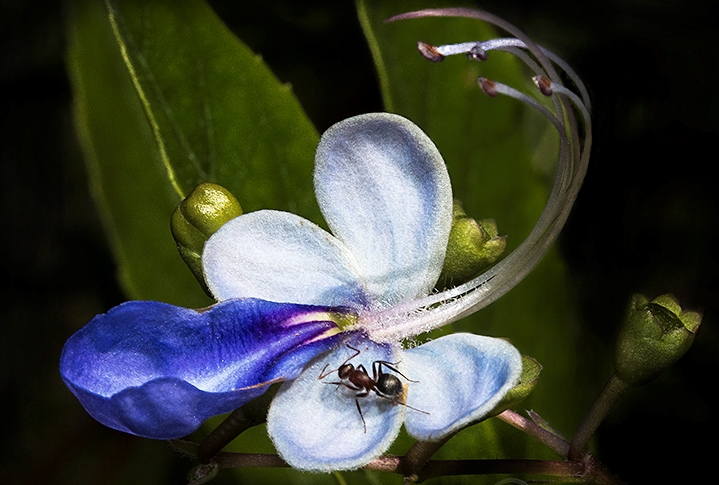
[645, 221]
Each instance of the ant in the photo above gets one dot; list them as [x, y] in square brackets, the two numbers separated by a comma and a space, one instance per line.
[386, 386]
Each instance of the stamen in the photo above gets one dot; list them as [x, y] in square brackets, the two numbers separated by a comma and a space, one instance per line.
[548, 88]
[488, 86]
[544, 85]
[454, 49]
[499, 88]
[436, 310]
[477, 53]
[430, 52]
[470, 48]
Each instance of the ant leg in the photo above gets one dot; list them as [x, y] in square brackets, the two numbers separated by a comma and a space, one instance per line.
[348, 385]
[359, 409]
[390, 366]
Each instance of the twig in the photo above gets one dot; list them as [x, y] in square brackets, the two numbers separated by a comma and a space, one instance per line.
[556, 443]
[612, 391]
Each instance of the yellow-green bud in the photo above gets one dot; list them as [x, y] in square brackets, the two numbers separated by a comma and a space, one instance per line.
[472, 247]
[654, 336]
[197, 218]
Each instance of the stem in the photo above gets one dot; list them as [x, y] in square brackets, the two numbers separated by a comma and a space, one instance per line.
[390, 464]
[563, 469]
[420, 453]
[583, 471]
[240, 420]
[221, 436]
[238, 460]
[586, 470]
[556, 443]
[613, 390]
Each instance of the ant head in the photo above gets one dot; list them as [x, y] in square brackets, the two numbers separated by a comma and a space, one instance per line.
[390, 385]
[345, 370]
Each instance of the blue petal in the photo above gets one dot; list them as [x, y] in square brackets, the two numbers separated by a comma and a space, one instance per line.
[461, 378]
[281, 257]
[159, 371]
[315, 424]
[384, 191]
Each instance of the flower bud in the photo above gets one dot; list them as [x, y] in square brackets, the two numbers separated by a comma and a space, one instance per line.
[197, 218]
[473, 246]
[654, 336]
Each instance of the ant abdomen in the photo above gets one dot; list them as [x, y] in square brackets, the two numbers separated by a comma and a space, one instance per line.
[389, 385]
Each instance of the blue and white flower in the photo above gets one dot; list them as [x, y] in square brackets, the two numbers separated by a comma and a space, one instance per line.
[283, 284]
[296, 304]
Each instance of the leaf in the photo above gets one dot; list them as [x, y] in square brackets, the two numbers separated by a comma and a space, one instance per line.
[497, 156]
[167, 97]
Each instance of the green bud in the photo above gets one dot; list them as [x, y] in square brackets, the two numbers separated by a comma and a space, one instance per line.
[530, 375]
[654, 336]
[197, 218]
[472, 247]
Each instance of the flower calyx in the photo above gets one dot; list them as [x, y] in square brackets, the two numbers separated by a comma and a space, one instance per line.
[530, 375]
[473, 246]
[654, 336]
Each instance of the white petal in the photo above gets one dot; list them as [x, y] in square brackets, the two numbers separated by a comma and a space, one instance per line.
[281, 257]
[315, 425]
[461, 378]
[384, 191]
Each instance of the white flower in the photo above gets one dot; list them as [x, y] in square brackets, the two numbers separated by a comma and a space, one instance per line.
[384, 191]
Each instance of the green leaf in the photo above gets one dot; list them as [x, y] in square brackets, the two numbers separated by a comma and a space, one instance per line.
[166, 97]
[501, 157]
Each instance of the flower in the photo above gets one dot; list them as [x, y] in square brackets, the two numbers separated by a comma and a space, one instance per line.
[283, 285]
[325, 312]
[384, 191]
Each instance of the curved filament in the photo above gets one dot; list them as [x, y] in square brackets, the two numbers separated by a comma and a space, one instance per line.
[569, 114]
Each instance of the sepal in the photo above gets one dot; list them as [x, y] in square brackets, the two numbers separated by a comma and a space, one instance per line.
[654, 336]
[473, 246]
[530, 375]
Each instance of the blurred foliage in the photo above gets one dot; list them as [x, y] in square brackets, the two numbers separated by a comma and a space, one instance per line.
[166, 98]
[643, 222]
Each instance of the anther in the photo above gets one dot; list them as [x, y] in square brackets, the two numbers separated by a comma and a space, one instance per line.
[430, 52]
[544, 85]
[488, 86]
[477, 53]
